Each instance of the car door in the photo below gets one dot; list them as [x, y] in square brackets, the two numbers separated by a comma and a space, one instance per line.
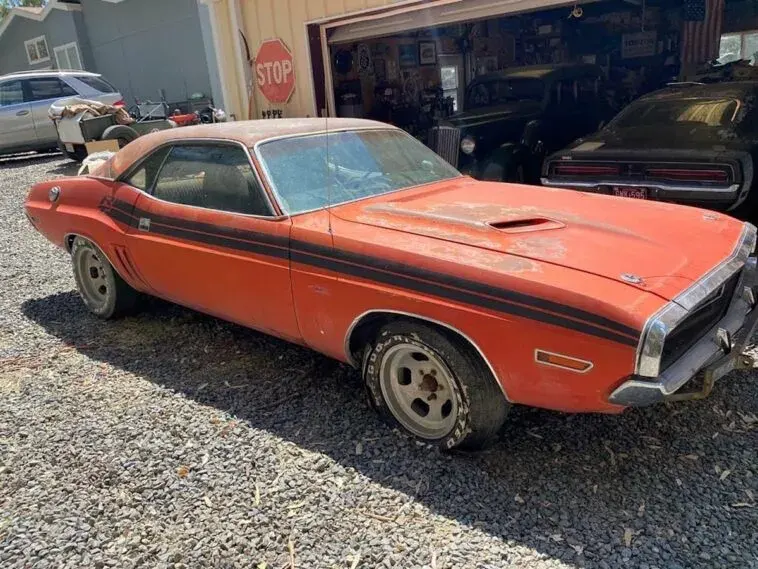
[564, 114]
[16, 123]
[204, 236]
[42, 92]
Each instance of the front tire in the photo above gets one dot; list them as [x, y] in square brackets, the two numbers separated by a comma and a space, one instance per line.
[433, 386]
[103, 291]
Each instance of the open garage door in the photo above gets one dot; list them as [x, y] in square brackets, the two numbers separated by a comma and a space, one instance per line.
[404, 19]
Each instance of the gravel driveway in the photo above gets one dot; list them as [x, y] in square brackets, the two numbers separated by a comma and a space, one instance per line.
[175, 440]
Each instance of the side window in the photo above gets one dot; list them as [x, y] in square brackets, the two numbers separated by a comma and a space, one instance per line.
[213, 176]
[588, 89]
[562, 95]
[42, 88]
[11, 93]
[144, 176]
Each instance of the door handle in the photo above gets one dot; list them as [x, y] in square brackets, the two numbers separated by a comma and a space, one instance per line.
[22, 113]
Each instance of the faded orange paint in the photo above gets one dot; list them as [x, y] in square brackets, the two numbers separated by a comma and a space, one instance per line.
[309, 277]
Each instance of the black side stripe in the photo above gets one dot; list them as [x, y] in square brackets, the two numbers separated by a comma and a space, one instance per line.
[383, 264]
[379, 270]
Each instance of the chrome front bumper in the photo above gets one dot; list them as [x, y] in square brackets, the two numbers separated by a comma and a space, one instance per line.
[717, 353]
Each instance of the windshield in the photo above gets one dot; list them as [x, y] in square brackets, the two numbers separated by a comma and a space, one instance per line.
[695, 112]
[497, 91]
[309, 172]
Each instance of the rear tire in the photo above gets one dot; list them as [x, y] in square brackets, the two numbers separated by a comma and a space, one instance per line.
[433, 386]
[103, 291]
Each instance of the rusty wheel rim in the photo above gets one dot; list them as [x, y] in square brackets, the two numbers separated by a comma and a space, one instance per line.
[419, 390]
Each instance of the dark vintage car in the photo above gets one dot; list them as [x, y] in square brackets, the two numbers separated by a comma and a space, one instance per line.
[512, 119]
[688, 143]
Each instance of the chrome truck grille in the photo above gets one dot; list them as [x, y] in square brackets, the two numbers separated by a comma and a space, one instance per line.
[446, 141]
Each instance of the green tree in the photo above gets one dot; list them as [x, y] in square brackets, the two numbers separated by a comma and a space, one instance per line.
[6, 5]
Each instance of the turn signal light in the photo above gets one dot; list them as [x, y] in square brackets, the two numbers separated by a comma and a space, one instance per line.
[559, 360]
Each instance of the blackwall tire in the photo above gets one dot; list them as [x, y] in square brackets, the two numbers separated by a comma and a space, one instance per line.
[433, 386]
[103, 291]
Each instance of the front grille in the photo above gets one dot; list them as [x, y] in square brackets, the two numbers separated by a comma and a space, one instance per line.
[446, 141]
[701, 319]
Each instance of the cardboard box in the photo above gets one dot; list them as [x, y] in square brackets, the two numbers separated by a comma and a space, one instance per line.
[100, 145]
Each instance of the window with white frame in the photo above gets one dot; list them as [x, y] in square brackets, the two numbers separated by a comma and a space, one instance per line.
[36, 50]
[67, 56]
[742, 45]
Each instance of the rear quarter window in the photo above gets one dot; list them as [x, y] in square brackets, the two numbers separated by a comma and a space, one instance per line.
[97, 83]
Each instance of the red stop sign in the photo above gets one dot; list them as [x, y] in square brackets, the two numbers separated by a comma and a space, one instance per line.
[275, 71]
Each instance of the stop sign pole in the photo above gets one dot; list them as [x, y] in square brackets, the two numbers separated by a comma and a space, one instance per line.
[274, 69]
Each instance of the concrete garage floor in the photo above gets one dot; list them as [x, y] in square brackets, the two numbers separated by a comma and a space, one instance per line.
[171, 439]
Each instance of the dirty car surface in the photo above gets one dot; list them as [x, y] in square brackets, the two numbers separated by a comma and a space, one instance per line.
[688, 144]
[453, 297]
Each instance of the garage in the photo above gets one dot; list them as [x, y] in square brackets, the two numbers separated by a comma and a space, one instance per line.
[472, 75]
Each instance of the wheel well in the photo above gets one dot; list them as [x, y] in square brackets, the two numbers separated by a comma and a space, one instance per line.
[369, 324]
[68, 241]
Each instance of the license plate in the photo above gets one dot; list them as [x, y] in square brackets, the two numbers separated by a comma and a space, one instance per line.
[69, 147]
[624, 192]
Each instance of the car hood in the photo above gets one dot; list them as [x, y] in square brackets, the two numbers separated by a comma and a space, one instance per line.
[647, 245]
[486, 114]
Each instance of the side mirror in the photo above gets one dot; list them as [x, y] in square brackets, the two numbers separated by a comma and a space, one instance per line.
[531, 135]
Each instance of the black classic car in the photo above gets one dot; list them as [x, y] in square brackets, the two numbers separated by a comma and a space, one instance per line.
[512, 118]
[689, 143]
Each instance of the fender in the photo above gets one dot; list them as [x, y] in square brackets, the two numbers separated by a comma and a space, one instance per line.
[503, 162]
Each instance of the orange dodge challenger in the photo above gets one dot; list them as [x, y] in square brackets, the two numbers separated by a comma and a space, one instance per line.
[455, 298]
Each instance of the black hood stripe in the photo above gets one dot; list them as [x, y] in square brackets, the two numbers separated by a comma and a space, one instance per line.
[379, 270]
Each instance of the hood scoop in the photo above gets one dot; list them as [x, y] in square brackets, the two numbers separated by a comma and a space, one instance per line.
[525, 225]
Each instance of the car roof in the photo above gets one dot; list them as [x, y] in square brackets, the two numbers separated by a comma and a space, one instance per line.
[553, 71]
[247, 133]
[51, 73]
[727, 89]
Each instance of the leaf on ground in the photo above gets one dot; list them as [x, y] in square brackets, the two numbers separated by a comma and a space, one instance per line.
[691, 456]
[556, 537]
[517, 498]
[182, 471]
[578, 548]
[628, 536]
[724, 475]
[359, 449]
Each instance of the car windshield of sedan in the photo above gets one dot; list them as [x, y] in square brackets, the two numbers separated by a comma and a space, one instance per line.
[310, 172]
[680, 112]
[499, 91]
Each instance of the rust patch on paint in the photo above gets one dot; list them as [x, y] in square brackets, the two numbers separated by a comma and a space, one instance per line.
[539, 246]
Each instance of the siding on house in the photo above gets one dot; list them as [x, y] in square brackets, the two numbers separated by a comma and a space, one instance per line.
[143, 46]
[286, 19]
[59, 28]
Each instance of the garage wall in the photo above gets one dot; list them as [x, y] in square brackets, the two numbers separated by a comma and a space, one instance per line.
[142, 46]
[58, 28]
[286, 19]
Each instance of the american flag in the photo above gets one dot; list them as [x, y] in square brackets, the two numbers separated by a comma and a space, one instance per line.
[702, 30]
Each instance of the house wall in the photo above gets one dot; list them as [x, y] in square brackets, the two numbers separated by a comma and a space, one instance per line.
[58, 28]
[142, 46]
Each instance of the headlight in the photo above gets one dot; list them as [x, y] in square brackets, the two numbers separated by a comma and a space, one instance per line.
[468, 145]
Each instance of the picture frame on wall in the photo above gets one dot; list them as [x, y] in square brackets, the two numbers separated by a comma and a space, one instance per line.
[427, 53]
[407, 55]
